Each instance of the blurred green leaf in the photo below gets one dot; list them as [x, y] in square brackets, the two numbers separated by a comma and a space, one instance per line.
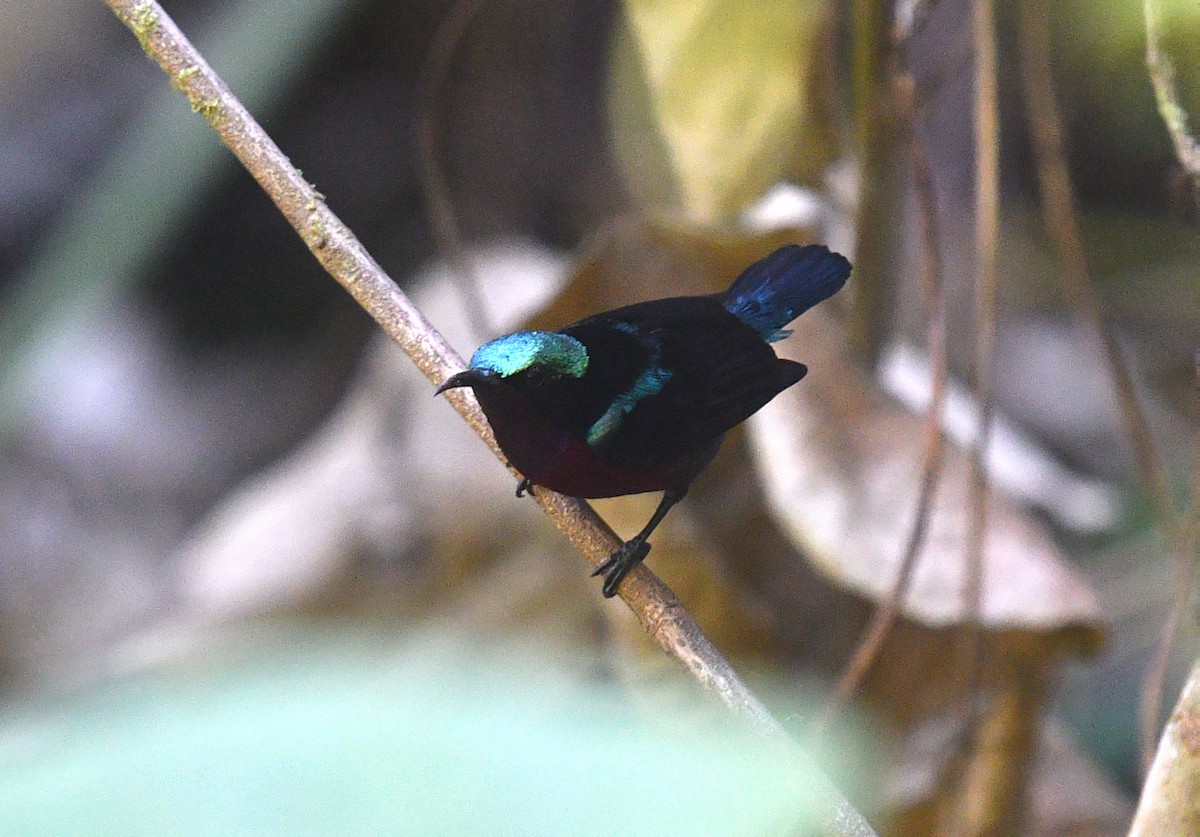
[355, 736]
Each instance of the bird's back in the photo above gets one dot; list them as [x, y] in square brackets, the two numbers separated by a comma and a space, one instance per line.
[699, 371]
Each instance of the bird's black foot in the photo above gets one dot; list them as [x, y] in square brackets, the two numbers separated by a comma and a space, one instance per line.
[618, 565]
[523, 486]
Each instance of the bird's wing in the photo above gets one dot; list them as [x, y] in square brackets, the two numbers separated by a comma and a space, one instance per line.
[726, 375]
[700, 372]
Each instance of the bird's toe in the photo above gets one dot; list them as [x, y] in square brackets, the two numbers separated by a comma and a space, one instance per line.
[617, 566]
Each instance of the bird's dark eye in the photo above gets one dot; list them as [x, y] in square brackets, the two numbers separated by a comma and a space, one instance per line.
[535, 376]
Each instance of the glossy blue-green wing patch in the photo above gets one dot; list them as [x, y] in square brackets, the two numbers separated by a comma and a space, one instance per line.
[647, 384]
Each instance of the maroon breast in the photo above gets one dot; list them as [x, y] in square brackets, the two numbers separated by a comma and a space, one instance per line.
[563, 463]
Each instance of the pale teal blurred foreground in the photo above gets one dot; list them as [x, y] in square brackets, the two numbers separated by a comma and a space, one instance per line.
[354, 736]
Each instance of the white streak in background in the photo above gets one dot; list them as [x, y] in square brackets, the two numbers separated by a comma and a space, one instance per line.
[1016, 463]
[785, 205]
[788, 206]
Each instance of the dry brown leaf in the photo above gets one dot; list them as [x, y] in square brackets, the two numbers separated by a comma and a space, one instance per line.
[840, 464]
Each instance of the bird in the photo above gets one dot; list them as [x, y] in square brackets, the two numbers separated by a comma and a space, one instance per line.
[639, 398]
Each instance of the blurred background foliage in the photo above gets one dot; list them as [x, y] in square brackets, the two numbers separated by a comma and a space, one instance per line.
[253, 579]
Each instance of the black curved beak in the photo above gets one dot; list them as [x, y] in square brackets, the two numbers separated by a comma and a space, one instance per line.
[465, 378]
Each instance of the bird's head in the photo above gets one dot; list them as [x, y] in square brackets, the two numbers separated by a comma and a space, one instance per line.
[524, 360]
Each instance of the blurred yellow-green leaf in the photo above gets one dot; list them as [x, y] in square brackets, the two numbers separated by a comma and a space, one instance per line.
[707, 99]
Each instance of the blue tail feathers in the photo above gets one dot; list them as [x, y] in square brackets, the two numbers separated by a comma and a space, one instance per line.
[779, 288]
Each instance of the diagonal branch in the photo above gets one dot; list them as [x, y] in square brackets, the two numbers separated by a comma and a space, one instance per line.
[344, 257]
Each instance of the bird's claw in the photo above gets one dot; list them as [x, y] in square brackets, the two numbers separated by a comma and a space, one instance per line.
[523, 486]
[617, 566]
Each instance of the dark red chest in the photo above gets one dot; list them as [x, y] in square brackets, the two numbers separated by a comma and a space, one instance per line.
[562, 461]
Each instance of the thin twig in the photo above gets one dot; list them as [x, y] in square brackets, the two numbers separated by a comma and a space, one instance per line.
[1063, 230]
[1162, 76]
[987, 215]
[877, 129]
[344, 257]
[886, 614]
[1185, 537]
[1184, 545]
[438, 202]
